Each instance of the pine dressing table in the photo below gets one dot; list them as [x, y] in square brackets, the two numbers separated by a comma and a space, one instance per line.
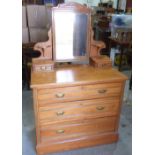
[76, 105]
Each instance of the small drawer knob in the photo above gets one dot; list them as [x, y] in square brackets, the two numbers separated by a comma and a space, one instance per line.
[60, 95]
[99, 108]
[60, 131]
[59, 113]
[102, 91]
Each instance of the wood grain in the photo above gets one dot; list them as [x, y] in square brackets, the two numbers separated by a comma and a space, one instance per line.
[86, 141]
[77, 129]
[79, 92]
[84, 108]
[78, 110]
[75, 75]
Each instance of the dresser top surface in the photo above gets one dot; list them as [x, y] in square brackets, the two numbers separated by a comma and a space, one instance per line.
[75, 75]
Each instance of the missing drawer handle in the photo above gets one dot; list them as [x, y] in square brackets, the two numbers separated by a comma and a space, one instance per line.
[60, 131]
[102, 91]
[99, 108]
[60, 95]
[60, 113]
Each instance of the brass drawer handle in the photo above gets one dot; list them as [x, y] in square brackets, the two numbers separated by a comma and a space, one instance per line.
[60, 95]
[59, 113]
[99, 108]
[102, 91]
[60, 131]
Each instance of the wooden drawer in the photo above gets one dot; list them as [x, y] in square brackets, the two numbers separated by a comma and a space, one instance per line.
[77, 129]
[78, 93]
[76, 143]
[61, 112]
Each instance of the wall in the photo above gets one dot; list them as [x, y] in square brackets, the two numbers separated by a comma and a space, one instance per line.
[78, 1]
[92, 2]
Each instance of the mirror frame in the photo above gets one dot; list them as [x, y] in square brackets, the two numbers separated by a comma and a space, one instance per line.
[75, 8]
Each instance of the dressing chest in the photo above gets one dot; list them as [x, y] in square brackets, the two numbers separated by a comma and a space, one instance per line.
[75, 105]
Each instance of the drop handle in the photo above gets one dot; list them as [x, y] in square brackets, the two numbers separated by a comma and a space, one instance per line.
[60, 131]
[60, 113]
[102, 91]
[99, 108]
[60, 95]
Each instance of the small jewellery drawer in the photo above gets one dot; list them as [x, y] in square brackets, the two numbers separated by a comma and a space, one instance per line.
[78, 93]
[77, 129]
[61, 112]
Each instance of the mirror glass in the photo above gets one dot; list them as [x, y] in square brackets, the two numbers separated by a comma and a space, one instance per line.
[70, 35]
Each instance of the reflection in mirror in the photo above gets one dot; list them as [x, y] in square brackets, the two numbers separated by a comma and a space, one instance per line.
[70, 35]
[64, 35]
[80, 35]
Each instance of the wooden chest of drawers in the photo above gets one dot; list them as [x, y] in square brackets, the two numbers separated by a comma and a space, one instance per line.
[76, 107]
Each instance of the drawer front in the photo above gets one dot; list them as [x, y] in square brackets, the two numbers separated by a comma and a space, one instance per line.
[61, 112]
[78, 93]
[77, 129]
